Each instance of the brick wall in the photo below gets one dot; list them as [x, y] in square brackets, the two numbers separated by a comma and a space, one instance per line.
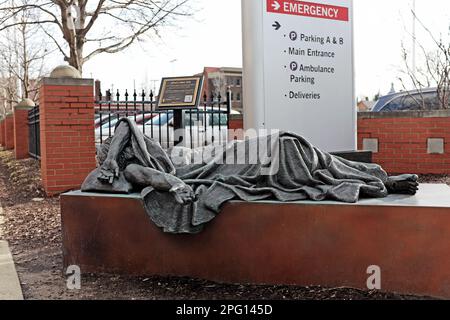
[67, 133]
[407, 142]
[2, 133]
[9, 132]
[21, 133]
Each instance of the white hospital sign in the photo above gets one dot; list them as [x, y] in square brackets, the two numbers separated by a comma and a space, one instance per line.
[298, 69]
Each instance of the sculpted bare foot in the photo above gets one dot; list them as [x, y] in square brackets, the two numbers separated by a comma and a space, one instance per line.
[183, 193]
[403, 184]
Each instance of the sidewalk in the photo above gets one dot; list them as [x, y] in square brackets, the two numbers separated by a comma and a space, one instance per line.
[9, 281]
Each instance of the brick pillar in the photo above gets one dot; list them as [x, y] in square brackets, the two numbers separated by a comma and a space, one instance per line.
[2, 131]
[9, 132]
[21, 132]
[66, 109]
[236, 127]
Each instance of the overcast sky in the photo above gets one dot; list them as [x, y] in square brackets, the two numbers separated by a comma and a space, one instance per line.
[213, 38]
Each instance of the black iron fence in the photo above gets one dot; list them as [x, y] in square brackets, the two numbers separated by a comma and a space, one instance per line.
[34, 144]
[190, 128]
[207, 124]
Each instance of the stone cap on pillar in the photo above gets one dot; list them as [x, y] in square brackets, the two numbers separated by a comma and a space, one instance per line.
[67, 75]
[65, 71]
[25, 104]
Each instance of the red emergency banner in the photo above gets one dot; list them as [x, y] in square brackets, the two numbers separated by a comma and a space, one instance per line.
[308, 9]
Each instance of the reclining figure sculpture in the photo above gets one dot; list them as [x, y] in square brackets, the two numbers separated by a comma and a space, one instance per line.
[183, 197]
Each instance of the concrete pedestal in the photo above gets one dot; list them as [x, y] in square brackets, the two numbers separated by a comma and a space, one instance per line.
[302, 243]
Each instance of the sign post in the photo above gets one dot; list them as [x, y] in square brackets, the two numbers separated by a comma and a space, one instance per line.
[178, 94]
[298, 69]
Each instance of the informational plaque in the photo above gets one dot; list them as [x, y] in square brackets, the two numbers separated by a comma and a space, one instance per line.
[180, 93]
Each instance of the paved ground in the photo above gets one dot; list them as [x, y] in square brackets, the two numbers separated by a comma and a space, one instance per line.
[2, 221]
[9, 281]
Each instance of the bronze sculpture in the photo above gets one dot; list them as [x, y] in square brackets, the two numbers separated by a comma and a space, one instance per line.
[182, 198]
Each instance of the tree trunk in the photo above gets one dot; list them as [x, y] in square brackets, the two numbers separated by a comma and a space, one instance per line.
[76, 57]
[73, 36]
[26, 65]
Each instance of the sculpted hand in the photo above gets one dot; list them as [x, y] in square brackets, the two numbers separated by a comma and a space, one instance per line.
[108, 171]
[183, 193]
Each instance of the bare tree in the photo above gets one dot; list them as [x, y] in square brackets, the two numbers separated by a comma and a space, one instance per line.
[22, 56]
[91, 27]
[434, 73]
[219, 82]
[8, 84]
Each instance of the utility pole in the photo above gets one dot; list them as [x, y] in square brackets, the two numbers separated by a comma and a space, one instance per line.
[17, 66]
[414, 36]
[153, 86]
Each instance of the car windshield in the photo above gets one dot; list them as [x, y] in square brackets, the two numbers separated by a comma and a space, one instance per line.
[143, 117]
[101, 119]
[414, 101]
[108, 124]
[160, 120]
[393, 105]
[194, 118]
[219, 119]
[114, 122]
[197, 118]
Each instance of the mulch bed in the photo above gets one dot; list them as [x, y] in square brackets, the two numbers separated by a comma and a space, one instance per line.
[33, 229]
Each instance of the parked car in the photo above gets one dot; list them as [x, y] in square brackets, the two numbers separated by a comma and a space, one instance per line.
[105, 130]
[200, 128]
[139, 118]
[204, 127]
[99, 121]
[409, 100]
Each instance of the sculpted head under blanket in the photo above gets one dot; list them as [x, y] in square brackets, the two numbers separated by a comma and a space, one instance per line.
[182, 198]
